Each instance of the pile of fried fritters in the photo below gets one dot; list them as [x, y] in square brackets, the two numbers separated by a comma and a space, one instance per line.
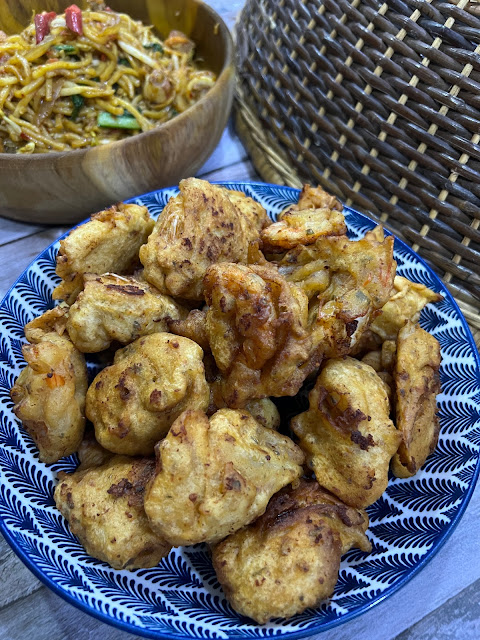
[203, 317]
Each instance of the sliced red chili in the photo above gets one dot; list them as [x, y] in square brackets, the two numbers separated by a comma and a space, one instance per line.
[42, 25]
[73, 18]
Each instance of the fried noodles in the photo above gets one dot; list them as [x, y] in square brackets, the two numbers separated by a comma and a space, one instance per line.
[86, 78]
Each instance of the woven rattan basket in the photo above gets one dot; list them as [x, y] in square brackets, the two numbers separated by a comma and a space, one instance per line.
[380, 104]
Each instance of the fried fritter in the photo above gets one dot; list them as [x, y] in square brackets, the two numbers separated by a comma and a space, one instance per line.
[253, 211]
[104, 508]
[265, 412]
[257, 330]
[133, 402]
[383, 361]
[405, 303]
[346, 282]
[417, 385]
[347, 434]
[215, 476]
[49, 394]
[108, 242]
[288, 560]
[91, 454]
[193, 327]
[118, 308]
[317, 214]
[199, 227]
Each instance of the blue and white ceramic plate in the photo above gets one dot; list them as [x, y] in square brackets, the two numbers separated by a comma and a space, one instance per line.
[181, 598]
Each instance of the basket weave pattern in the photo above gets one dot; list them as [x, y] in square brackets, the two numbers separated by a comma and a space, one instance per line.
[380, 104]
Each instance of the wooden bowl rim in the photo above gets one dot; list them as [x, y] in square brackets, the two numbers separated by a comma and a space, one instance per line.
[217, 87]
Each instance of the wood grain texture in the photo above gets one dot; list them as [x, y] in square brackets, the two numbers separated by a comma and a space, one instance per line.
[66, 186]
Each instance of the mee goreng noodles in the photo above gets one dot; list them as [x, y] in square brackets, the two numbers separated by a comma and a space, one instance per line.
[85, 78]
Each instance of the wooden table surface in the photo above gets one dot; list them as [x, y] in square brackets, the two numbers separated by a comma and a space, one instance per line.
[441, 603]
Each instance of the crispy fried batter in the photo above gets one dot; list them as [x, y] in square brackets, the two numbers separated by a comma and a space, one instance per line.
[133, 403]
[253, 211]
[193, 327]
[91, 454]
[347, 434]
[265, 412]
[317, 214]
[417, 385]
[288, 560]
[215, 476]
[346, 282]
[104, 508]
[49, 394]
[199, 227]
[257, 330]
[110, 241]
[120, 308]
[405, 303]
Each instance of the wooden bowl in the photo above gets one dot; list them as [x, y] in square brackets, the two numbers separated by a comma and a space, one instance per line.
[65, 187]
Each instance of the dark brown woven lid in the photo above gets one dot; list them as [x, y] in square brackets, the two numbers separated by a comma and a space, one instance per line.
[380, 104]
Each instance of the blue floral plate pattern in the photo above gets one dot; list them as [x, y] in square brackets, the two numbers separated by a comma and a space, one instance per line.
[181, 597]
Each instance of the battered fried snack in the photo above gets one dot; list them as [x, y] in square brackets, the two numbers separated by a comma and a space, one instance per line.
[417, 384]
[317, 214]
[383, 361]
[215, 476]
[118, 308]
[91, 454]
[346, 282]
[199, 227]
[257, 331]
[109, 241]
[265, 412]
[49, 394]
[104, 508]
[405, 304]
[347, 434]
[193, 327]
[288, 560]
[253, 211]
[133, 402]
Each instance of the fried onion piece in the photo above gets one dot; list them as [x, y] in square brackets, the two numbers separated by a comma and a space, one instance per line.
[199, 227]
[104, 508]
[49, 394]
[118, 308]
[216, 475]
[346, 282]
[257, 331]
[108, 242]
[417, 385]
[288, 560]
[133, 402]
[347, 433]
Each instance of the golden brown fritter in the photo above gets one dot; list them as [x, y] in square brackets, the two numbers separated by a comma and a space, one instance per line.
[257, 330]
[317, 198]
[417, 385]
[383, 361]
[347, 434]
[288, 560]
[253, 211]
[104, 508]
[49, 394]
[405, 303]
[346, 282]
[199, 227]
[304, 223]
[265, 412]
[193, 327]
[133, 402]
[216, 475]
[91, 454]
[118, 308]
[109, 241]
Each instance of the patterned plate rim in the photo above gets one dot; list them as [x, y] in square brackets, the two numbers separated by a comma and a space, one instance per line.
[310, 631]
